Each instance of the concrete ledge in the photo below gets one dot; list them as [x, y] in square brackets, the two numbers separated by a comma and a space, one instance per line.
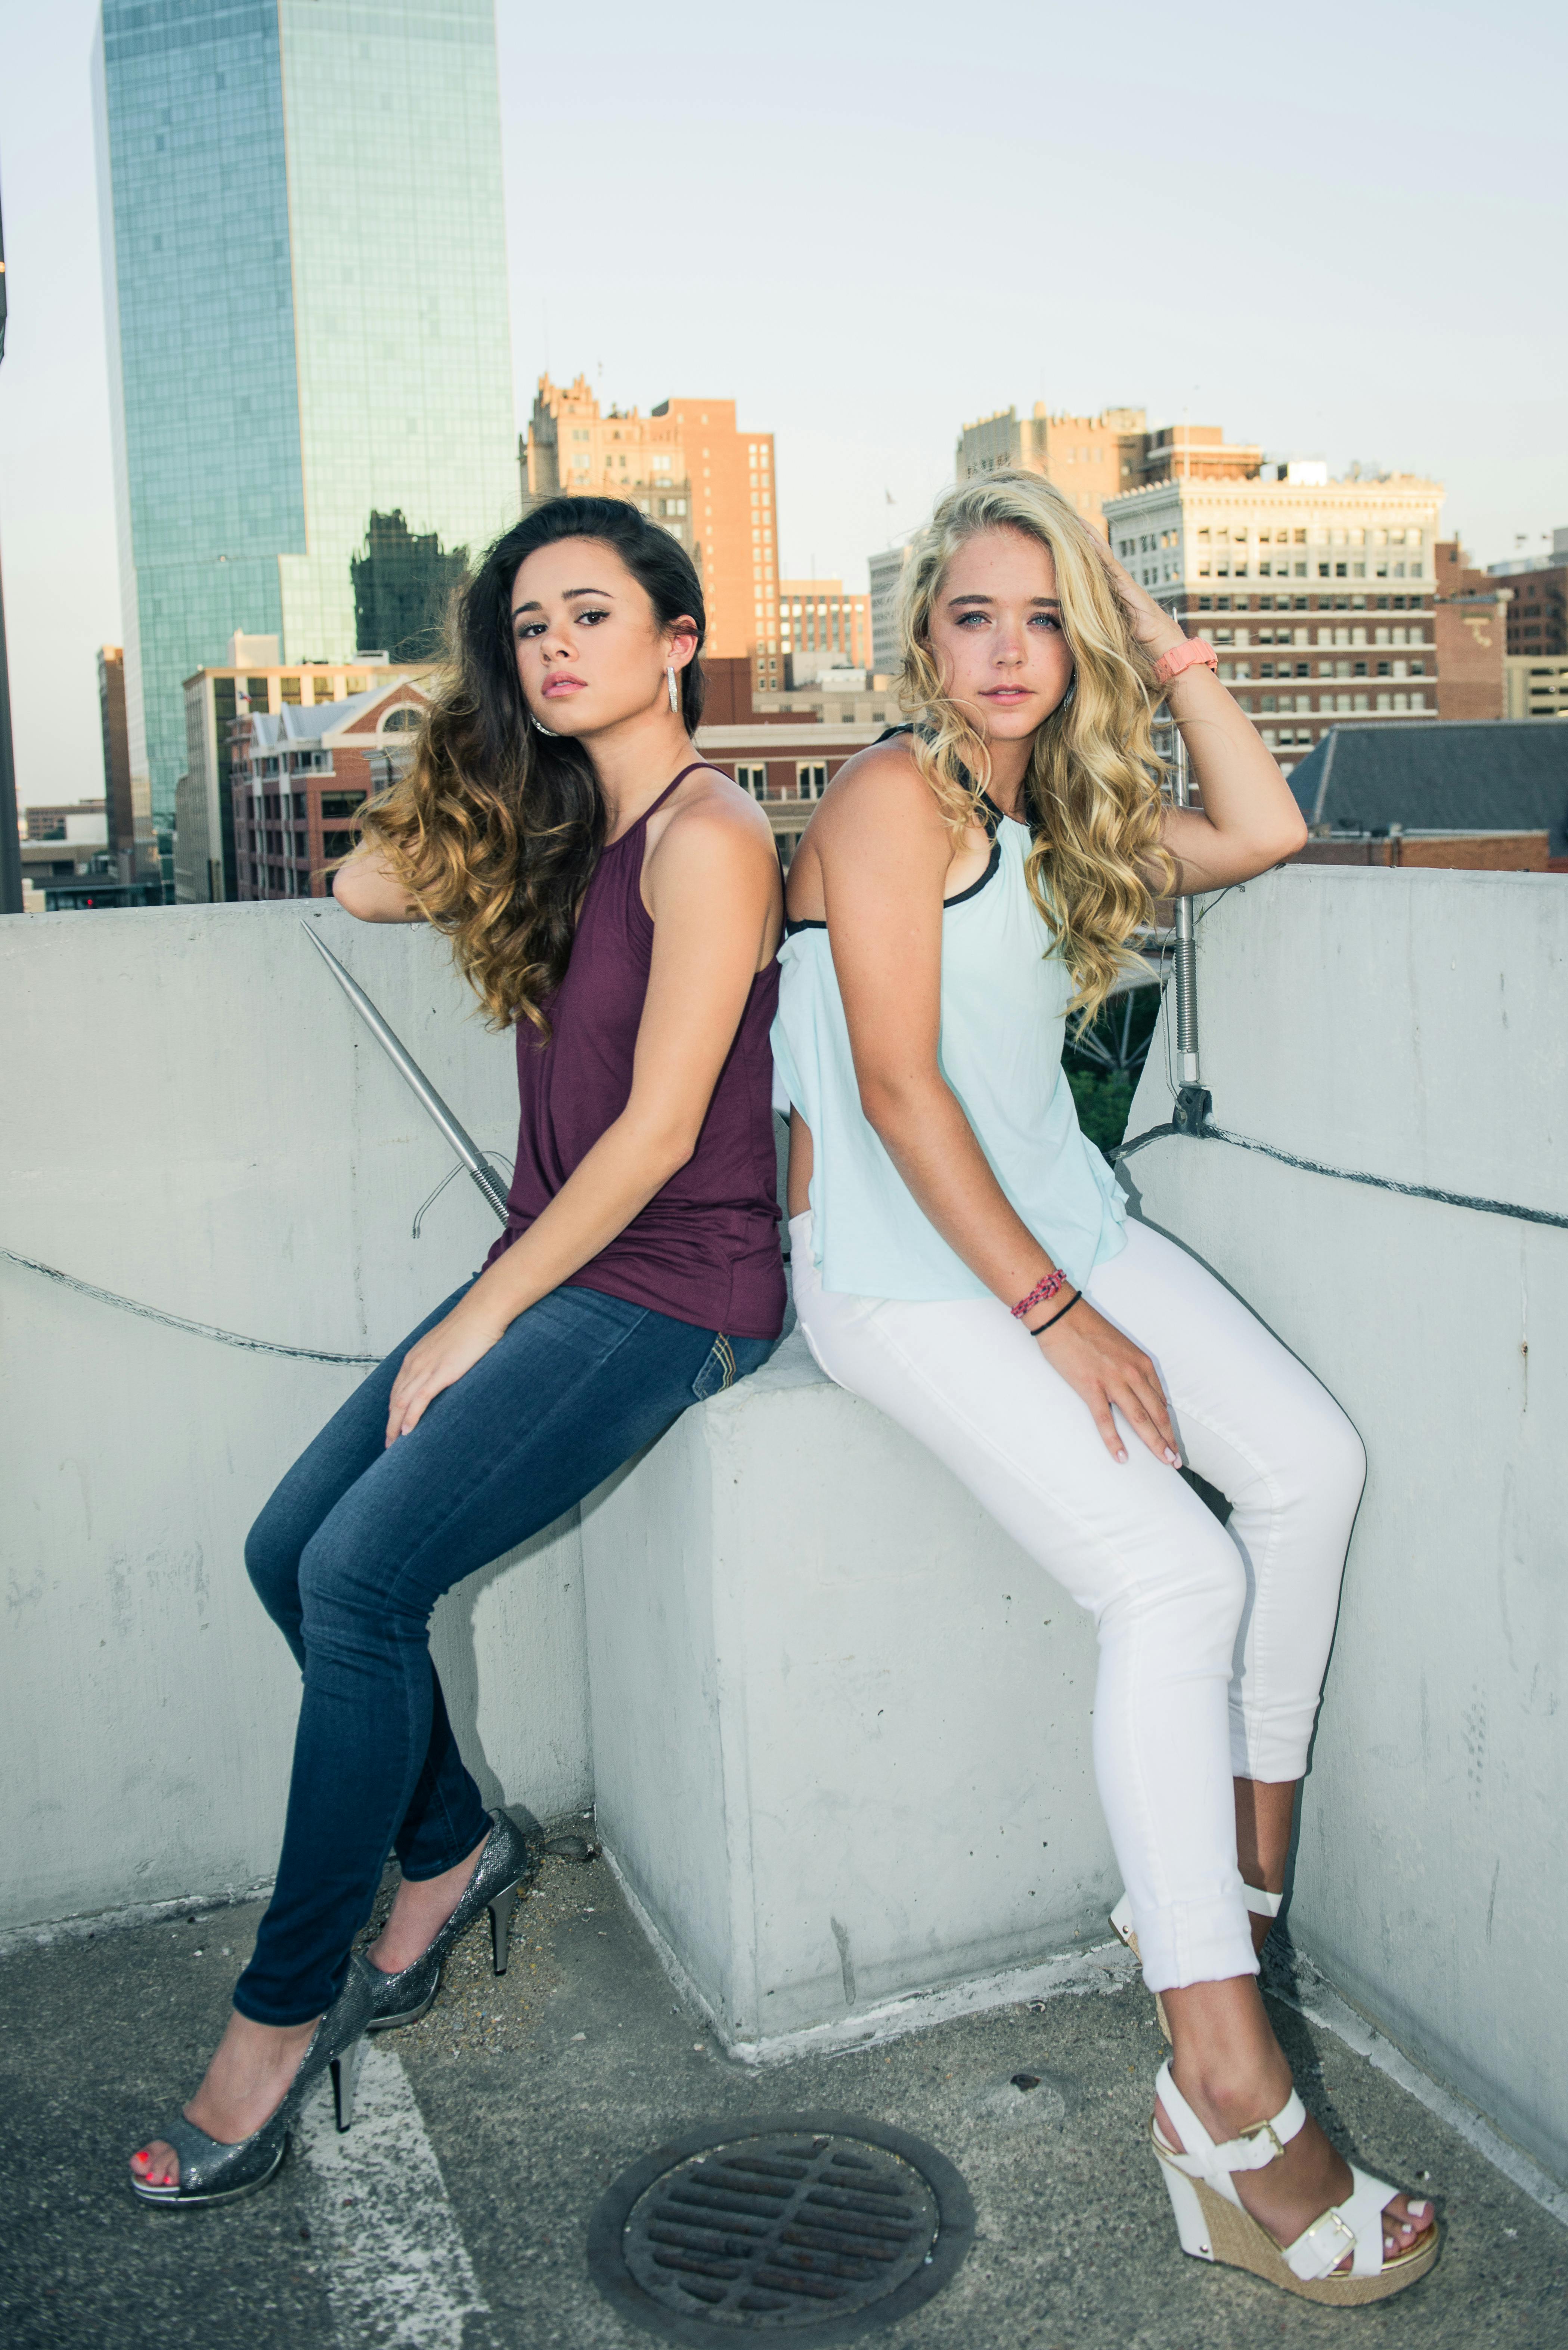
[841, 1723]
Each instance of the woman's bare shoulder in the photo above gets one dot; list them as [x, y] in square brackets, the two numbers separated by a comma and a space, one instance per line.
[879, 785]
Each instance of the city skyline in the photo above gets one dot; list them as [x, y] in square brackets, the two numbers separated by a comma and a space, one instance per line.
[864, 353]
[267, 393]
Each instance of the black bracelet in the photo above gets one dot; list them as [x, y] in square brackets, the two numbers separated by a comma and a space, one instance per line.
[1056, 1317]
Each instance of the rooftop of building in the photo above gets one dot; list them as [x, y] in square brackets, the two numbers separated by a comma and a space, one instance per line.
[784, 1630]
[294, 724]
[1495, 774]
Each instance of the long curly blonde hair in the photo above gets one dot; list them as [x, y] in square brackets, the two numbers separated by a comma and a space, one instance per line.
[1092, 794]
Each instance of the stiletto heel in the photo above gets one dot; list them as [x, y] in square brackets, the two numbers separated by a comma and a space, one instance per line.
[507, 1862]
[501, 1911]
[345, 2083]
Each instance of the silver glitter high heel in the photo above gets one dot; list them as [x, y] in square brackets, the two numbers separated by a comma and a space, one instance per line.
[507, 1861]
[213, 2172]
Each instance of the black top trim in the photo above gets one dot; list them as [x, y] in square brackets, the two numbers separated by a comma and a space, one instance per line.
[993, 823]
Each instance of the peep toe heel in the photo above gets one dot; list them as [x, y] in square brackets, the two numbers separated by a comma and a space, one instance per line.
[1212, 2224]
[507, 1863]
[212, 2171]
[1258, 1904]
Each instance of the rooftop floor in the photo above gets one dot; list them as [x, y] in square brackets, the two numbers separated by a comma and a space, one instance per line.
[453, 2216]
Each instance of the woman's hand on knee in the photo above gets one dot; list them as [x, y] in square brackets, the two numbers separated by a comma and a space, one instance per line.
[1101, 1364]
[438, 1361]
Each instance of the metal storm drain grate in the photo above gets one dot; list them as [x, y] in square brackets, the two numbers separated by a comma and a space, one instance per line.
[820, 2224]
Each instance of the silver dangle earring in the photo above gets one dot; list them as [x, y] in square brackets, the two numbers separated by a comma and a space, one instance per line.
[542, 730]
[674, 690]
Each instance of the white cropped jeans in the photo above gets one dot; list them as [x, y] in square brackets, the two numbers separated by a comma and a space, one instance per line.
[1214, 1638]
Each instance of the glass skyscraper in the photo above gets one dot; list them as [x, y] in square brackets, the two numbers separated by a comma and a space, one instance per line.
[305, 270]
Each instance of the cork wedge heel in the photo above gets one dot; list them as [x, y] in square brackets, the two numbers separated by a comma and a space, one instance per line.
[1212, 2225]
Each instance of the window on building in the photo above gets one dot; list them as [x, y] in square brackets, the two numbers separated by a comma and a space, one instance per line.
[811, 778]
[753, 780]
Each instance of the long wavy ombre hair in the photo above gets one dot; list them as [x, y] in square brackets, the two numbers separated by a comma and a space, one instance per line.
[496, 827]
[1091, 791]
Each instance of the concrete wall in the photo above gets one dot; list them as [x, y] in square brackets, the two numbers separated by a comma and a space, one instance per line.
[195, 1118]
[841, 1721]
[1415, 1025]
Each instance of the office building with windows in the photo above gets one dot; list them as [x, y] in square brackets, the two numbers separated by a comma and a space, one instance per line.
[1317, 595]
[304, 275]
[887, 569]
[822, 628]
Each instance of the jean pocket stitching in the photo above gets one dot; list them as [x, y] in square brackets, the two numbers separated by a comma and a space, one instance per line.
[721, 1359]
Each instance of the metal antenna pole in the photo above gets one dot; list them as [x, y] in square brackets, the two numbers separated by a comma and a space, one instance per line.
[10, 847]
[1193, 1103]
[409, 1069]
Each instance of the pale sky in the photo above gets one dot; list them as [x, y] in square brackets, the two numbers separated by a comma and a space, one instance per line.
[1336, 232]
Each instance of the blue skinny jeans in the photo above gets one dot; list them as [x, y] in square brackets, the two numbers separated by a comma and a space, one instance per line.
[358, 1544]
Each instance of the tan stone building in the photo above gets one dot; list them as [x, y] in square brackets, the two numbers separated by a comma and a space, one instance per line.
[1088, 458]
[1092, 458]
[688, 466]
[1533, 687]
[1318, 595]
[818, 622]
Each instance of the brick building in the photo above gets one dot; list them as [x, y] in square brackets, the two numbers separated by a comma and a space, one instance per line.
[220, 703]
[1469, 631]
[688, 466]
[127, 803]
[784, 756]
[1538, 613]
[300, 772]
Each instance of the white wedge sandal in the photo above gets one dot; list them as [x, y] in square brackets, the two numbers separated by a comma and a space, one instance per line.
[1213, 2225]
[1259, 1903]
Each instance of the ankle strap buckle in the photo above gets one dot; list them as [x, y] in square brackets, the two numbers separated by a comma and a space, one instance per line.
[1262, 2130]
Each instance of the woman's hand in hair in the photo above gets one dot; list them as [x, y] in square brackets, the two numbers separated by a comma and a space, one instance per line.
[1101, 1364]
[1156, 631]
[440, 1360]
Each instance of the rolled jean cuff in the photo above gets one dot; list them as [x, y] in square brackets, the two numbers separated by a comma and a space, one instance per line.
[286, 2016]
[1270, 1752]
[475, 1833]
[1195, 1941]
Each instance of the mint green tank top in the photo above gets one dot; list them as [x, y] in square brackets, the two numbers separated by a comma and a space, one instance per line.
[1003, 1002]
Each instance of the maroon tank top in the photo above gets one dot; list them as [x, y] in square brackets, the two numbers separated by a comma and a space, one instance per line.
[705, 1249]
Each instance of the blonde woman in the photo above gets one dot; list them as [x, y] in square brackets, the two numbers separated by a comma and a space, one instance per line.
[963, 1261]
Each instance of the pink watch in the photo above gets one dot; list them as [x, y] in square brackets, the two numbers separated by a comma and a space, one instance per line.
[1192, 652]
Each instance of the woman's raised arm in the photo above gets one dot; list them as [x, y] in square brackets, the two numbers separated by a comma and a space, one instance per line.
[1248, 821]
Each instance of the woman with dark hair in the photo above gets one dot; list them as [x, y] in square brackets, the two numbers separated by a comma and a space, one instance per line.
[618, 902]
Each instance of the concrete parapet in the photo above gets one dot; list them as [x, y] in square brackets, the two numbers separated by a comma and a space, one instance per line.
[841, 1723]
[1411, 1027]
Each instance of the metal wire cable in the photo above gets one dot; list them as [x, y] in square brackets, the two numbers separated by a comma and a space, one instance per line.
[178, 1321]
[1345, 1174]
